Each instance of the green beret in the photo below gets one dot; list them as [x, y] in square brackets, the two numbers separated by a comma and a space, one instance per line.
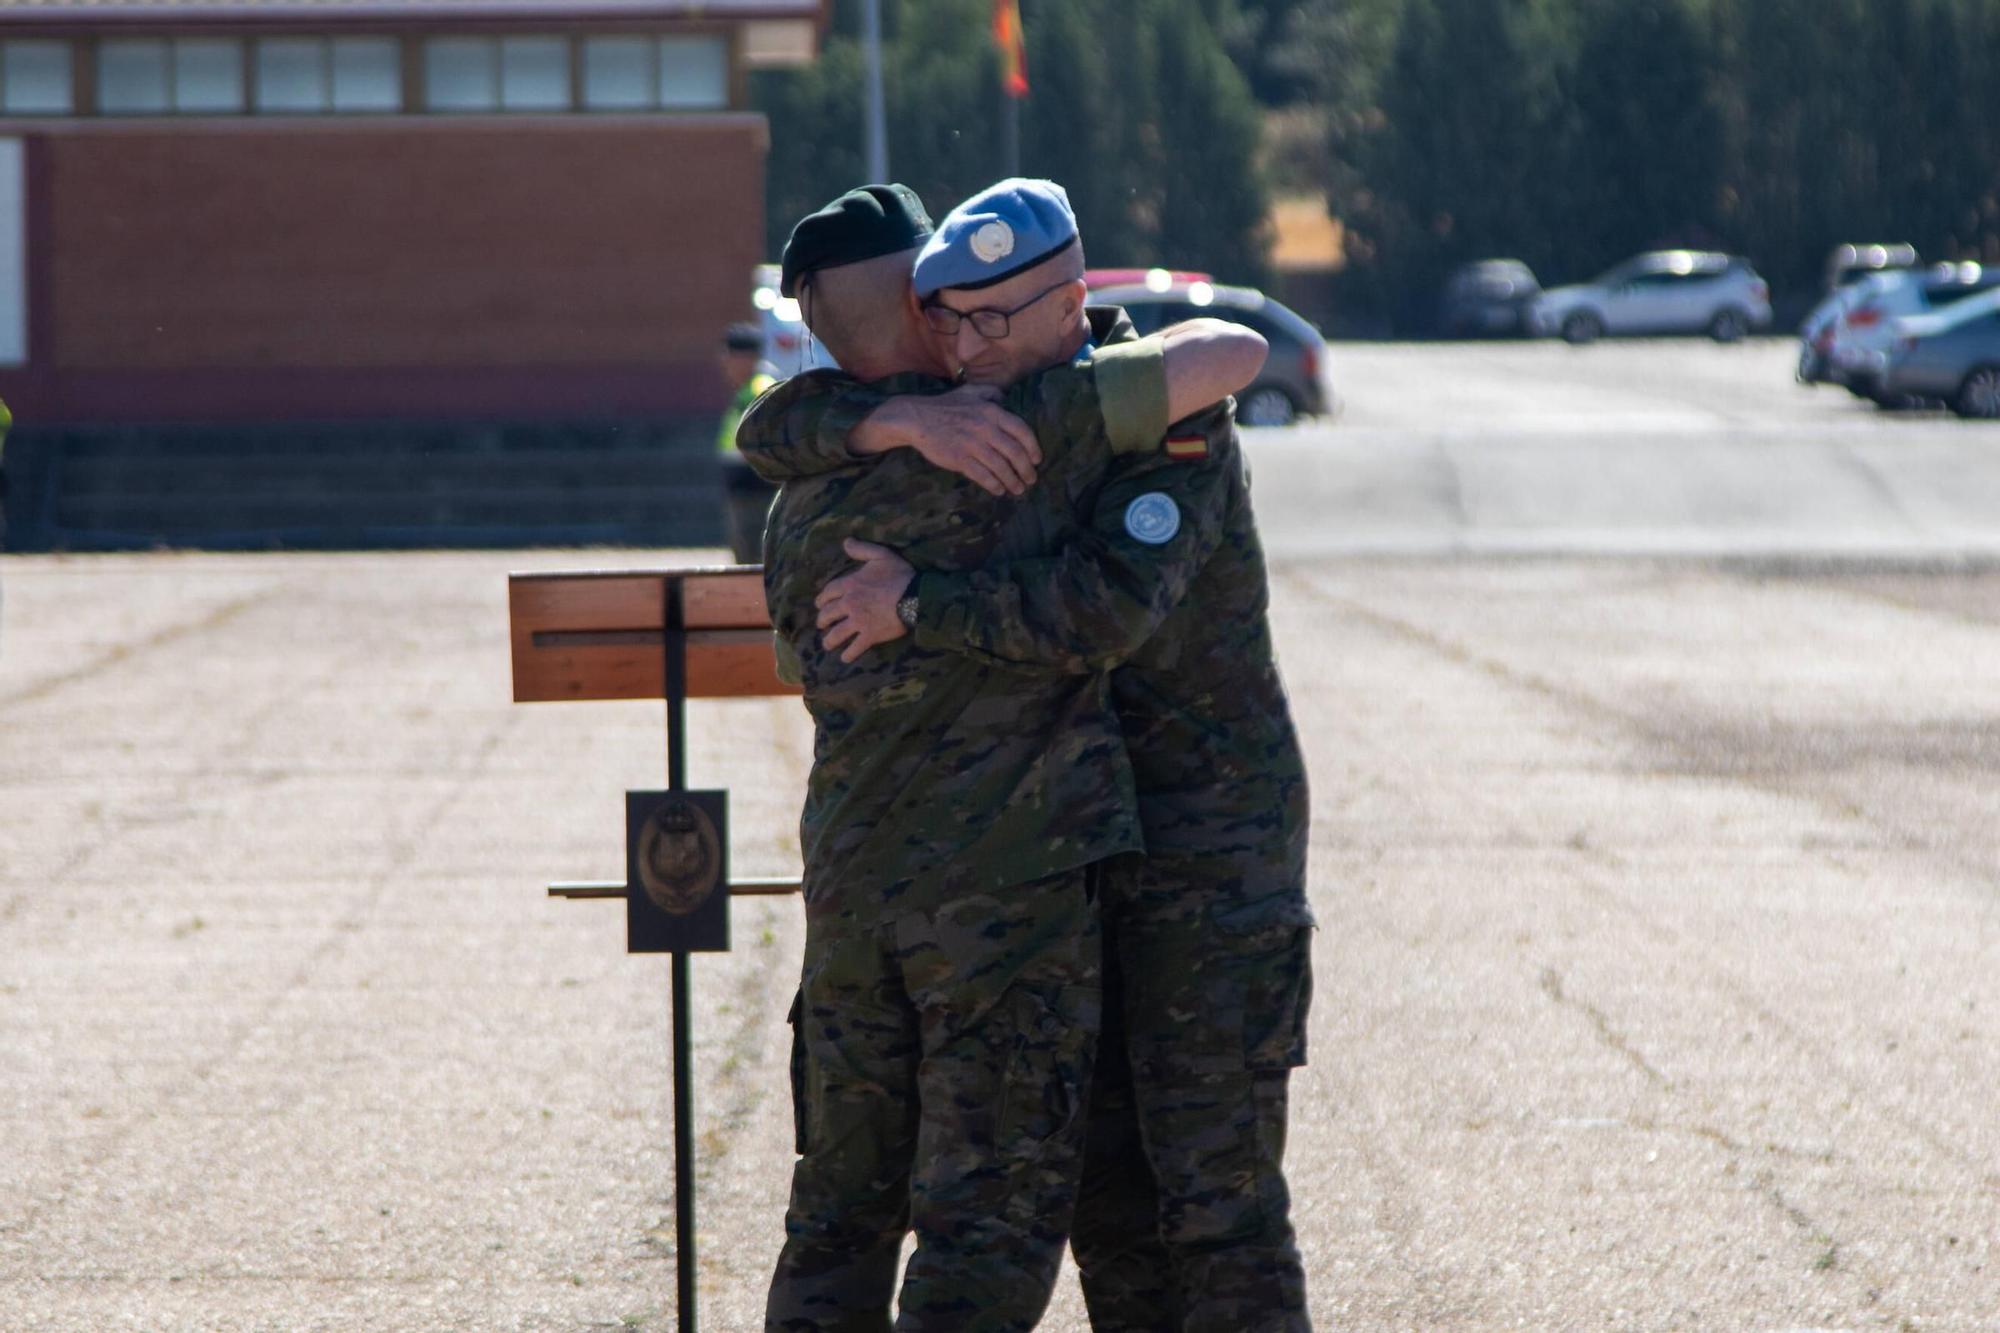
[867, 223]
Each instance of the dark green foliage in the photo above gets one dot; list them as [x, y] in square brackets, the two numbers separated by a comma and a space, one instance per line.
[1570, 133]
[1135, 108]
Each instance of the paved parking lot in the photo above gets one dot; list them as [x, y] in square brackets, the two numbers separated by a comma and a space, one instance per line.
[1647, 447]
[1659, 962]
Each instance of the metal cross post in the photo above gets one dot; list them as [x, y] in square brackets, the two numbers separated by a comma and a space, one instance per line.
[675, 642]
[592, 636]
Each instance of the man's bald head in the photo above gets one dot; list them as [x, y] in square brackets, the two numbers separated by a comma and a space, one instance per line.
[867, 316]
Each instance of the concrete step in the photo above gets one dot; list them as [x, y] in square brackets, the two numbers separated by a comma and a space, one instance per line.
[348, 485]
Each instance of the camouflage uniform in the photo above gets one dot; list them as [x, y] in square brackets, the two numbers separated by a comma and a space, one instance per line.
[951, 991]
[1208, 936]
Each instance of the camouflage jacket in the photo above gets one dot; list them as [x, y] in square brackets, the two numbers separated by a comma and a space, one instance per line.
[935, 771]
[1202, 707]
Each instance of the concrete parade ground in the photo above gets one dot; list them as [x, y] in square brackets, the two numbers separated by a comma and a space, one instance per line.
[1658, 972]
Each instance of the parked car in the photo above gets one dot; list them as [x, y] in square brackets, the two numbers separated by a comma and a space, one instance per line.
[1486, 298]
[1296, 379]
[1952, 355]
[1159, 279]
[1664, 291]
[1865, 327]
[788, 346]
[1846, 268]
[1850, 263]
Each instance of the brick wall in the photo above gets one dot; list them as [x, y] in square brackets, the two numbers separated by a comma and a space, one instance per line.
[274, 269]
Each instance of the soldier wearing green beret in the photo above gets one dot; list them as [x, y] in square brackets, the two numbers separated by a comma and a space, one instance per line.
[1183, 1222]
[955, 819]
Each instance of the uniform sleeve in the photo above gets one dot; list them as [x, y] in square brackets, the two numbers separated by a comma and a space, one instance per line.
[1153, 525]
[800, 428]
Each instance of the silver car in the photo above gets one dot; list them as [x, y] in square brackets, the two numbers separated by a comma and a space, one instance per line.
[1664, 291]
[1953, 356]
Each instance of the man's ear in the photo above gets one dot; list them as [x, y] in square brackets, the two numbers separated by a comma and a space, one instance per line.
[1074, 297]
[806, 303]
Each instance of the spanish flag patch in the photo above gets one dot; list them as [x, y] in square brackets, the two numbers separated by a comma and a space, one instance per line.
[1187, 448]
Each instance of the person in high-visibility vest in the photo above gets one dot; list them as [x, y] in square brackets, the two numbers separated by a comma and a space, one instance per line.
[746, 497]
[6, 424]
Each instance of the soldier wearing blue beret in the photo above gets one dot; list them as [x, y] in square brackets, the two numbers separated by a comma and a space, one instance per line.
[1183, 1217]
[1004, 230]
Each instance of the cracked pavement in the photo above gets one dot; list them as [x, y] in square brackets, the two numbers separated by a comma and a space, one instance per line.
[1658, 970]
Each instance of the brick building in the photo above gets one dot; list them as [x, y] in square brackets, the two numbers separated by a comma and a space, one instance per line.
[299, 229]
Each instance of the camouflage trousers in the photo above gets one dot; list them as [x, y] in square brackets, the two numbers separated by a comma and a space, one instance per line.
[940, 1064]
[1183, 1221]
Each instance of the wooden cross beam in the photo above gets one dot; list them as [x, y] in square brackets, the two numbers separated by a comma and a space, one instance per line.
[604, 634]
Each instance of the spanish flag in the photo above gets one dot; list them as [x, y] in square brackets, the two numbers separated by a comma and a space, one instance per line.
[1013, 47]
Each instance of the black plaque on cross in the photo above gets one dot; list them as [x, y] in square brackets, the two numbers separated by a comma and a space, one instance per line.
[677, 871]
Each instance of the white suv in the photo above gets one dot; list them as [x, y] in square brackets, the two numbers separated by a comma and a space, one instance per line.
[1664, 291]
[1857, 343]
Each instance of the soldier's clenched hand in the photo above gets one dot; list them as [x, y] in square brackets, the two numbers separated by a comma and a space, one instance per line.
[858, 609]
[964, 431]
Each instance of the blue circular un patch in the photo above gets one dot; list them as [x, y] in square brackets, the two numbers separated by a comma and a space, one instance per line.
[1153, 518]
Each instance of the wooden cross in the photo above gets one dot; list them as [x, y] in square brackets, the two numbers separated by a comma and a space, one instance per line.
[672, 634]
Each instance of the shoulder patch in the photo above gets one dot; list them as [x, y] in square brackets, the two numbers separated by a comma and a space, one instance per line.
[1153, 518]
[1187, 448]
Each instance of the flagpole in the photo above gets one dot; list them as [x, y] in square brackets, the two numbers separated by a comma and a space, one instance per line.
[1013, 80]
[1010, 134]
[878, 135]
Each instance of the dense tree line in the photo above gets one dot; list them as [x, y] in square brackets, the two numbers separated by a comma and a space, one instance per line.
[1568, 133]
[1571, 133]
[1136, 107]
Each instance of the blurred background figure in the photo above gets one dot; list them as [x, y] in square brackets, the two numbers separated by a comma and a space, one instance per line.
[6, 424]
[746, 497]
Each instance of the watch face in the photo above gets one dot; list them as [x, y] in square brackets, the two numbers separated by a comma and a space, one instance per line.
[906, 611]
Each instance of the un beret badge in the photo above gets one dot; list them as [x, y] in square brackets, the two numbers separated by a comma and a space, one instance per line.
[992, 242]
[680, 857]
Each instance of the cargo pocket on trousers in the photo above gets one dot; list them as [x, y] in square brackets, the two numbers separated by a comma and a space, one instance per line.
[1043, 1088]
[801, 1140]
[1270, 947]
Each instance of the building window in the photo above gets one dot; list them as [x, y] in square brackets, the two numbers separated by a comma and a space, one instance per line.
[35, 78]
[645, 73]
[207, 76]
[497, 74]
[617, 73]
[292, 75]
[461, 74]
[694, 72]
[132, 76]
[312, 75]
[534, 74]
[367, 74]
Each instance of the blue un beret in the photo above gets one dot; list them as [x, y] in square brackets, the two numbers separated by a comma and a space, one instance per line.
[1003, 230]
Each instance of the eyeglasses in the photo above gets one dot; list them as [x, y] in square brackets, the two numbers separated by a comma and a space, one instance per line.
[989, 324]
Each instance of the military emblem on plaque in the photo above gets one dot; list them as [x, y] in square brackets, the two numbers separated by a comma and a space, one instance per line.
[677, 871]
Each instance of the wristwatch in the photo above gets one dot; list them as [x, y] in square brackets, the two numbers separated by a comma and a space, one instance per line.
[906, 606]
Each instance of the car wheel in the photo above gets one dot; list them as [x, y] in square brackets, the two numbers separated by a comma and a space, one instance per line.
[1728, 326]
[1582, 327]
[1979, 396]
[1266, 405]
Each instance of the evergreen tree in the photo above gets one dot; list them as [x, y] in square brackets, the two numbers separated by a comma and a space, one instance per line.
[1151, 173]
[1644, 140]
